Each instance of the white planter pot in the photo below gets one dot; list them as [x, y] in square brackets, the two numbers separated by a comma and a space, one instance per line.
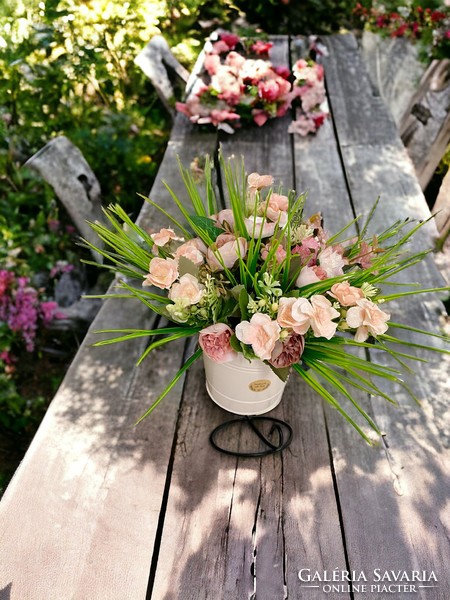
[243, 387]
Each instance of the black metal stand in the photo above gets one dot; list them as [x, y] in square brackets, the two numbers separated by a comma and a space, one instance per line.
[280, 427]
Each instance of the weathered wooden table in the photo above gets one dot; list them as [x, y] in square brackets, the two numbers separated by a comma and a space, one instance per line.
[102, 510]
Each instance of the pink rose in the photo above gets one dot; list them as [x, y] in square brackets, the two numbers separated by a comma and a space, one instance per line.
[259, 227]
[276, 208]
[215, 342]
[191, 251]
[288, 352]
[332, 262]
[260, 47]
[189, 289]
[225, 216]
[367, 319]
[321, 317]
[255, 181]
[261, 333]
[260, 116]
[164, 236]
[163, 272]
[346, 294]
[229, 248]
[294, 313]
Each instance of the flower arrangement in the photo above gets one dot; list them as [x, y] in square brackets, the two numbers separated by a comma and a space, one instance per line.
[430, 27]
[262, 280]
[239, 85]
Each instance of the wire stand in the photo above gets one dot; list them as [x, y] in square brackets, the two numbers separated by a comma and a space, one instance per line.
[281, 428]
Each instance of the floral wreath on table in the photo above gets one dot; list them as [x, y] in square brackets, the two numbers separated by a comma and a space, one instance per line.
[261, 280]
[239, 85]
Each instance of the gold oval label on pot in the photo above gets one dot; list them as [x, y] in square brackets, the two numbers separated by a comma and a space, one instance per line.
[259, 385]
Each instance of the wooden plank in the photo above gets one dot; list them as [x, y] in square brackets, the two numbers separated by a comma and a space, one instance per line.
[358, 109]
[224, 514]
[425, 127]
[393, 498]
[85, 502]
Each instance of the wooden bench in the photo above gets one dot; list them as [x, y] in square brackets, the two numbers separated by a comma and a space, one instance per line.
[102, 510]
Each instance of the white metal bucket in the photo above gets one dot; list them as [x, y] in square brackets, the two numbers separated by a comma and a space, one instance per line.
[243, 387]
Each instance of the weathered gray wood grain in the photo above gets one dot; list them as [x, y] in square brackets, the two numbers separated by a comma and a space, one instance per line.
[394, 68]
[441, 208]
[359, 111]
[80, 518]
[393, 498]
[234, 528]
[425, 127]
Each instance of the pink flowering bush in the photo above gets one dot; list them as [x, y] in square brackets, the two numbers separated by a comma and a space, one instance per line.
[21, 309]
[240, 85]
[264, 280]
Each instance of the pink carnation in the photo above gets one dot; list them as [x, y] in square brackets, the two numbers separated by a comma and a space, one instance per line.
[215, 342]
[261, 333]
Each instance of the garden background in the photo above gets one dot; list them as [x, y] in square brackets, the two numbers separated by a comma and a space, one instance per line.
[67, 67]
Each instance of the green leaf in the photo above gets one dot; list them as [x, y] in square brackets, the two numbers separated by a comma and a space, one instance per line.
[282, 372]
[243, 302]
[207, 226]
[184, 368]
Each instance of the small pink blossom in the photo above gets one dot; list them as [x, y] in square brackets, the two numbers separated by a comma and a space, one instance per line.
[321, 317]
[367, 319]
[230, 39]
[188, 289]
[279, 255]
[288, 352]
[276, 208]
[260, 116]
[310, 275]
[261, 333]
[346, 294]
[261, 48]
[162, 273]
[302, 126]
[220, 47]
[212, 63]
[293, 313]
[235, 60]
[215, 342]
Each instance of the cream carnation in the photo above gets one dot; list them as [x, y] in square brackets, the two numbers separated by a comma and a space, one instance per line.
[261, 333]
[367, 319]
[346, 294]
[188, 289]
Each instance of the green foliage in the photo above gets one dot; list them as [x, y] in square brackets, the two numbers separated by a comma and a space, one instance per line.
[308, 17]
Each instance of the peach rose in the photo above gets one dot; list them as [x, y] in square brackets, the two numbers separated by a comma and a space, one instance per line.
[294, 314]
[164, 236]
[188, 289]
[163, 272]
[261, 333]
[277, 207]
[215, 342]
[321, 317]
[225, 216]
[346, 294]
[190, 250]
[367, 319]
[255, 181]
[229, 248]
[259, 227]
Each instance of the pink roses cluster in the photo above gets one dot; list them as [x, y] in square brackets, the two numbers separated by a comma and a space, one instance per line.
[269, 322]
[281, 341]
[237, 88]
[309, 86]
